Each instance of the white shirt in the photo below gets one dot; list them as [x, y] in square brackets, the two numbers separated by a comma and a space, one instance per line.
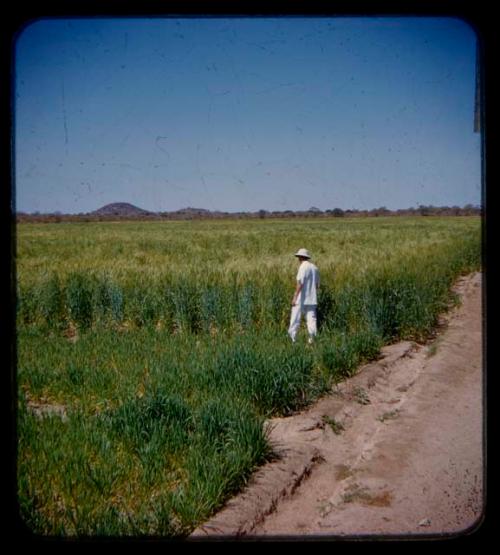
[308, 276]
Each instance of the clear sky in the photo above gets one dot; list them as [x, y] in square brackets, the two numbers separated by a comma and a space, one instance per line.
[245, 113]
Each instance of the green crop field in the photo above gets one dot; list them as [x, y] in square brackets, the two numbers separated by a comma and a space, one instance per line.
[149, 354]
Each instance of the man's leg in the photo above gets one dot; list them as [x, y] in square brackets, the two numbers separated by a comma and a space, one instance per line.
[294, 322]
[312, 327]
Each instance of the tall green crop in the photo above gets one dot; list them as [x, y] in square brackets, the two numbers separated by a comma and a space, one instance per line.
[148, 360]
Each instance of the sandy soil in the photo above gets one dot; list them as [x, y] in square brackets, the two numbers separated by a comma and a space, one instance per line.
[396, 450]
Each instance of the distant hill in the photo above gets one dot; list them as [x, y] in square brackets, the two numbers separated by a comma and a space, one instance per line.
[120, 209]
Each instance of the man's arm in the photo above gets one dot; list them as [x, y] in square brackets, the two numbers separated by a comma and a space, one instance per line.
[298, 289]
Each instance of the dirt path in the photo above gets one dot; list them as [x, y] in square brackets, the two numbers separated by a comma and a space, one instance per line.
[395, 450]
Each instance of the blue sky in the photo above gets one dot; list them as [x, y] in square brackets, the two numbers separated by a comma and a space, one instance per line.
[245, 113]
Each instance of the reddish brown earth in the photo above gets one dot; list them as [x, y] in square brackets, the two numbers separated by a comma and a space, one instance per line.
[398, 449]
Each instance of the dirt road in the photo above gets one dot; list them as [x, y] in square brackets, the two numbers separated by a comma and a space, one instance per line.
[395, 450]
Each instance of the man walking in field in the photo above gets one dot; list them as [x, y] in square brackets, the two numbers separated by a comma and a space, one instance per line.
[305, 298]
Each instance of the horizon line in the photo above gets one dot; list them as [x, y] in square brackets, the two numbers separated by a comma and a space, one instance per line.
[312, 209]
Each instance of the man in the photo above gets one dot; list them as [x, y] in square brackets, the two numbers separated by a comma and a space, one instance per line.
[305, 298]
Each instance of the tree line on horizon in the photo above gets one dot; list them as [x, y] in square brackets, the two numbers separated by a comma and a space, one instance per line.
[201, 213]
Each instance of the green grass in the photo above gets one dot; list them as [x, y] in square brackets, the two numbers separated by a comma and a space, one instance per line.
[166, 344]
[336, 427]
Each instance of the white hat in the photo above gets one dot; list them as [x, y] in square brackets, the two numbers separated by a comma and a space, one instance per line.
[303, 252]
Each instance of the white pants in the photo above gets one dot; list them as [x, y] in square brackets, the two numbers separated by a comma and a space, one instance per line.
[310, 313]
